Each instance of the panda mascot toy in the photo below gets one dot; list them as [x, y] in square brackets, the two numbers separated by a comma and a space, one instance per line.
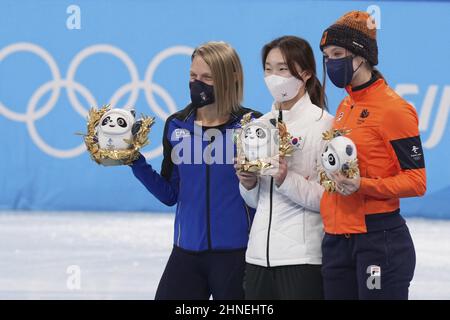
[116, 128]
[259, 140]
[339, 155]
[260, 143]
[115, 136]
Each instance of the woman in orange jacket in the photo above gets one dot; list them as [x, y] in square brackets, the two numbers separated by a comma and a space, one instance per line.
[367, 249]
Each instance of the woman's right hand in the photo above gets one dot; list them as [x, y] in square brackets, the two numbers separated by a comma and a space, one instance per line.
[247, 179]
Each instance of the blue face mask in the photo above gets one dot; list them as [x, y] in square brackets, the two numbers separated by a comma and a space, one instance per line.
[340, 71]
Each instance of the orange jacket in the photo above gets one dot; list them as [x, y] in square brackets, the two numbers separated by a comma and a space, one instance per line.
[384, 128]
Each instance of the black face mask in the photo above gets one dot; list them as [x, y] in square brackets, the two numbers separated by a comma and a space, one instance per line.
[202, 94]
[340, 71]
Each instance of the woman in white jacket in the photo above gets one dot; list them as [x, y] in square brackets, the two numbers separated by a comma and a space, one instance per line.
[284, 251]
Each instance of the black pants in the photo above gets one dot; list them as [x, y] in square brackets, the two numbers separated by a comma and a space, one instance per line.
[374, 265]
[197, 276]
[283, 283]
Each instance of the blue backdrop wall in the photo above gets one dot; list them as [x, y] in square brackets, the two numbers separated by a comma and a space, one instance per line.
[57, 58]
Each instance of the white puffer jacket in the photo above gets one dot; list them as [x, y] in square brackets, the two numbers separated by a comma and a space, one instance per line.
[291, 233]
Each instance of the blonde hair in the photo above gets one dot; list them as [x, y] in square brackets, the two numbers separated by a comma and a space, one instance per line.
[227, 74]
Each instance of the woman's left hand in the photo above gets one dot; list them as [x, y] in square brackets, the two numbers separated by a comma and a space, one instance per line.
[346, 186]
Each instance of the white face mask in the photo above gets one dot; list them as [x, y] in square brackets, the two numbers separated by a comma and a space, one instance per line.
[281, 88]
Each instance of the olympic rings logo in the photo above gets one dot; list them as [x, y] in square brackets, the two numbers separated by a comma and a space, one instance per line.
[72, 87]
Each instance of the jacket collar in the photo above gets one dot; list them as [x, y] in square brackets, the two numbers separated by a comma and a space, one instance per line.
[299, 109]
[187, 115]
[359, 93]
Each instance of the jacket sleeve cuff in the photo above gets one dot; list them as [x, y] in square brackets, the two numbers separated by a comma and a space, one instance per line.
[365, 186]
[250, 196]
[253, 191]
[139, 161]
[286, 186]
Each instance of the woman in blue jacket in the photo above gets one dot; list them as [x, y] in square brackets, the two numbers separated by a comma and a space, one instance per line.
[212, 221]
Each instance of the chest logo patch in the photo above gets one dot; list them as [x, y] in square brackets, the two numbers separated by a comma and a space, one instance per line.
[364, 114]
[362, 117]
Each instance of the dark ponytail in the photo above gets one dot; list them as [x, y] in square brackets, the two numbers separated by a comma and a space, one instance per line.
[298, 53]
[316, 92]
[376, 73]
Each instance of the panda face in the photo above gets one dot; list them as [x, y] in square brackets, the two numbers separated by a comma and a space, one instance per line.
[115, 123]
[330, 159]
[255, 135]
[259, 140]
[338, 153]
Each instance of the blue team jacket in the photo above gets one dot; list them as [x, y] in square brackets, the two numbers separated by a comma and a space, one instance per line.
[210, 214]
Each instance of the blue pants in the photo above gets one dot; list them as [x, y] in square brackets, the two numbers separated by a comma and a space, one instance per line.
[197, 276]
[373, 265]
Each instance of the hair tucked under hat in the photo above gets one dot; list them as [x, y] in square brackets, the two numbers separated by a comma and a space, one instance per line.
[355, 31]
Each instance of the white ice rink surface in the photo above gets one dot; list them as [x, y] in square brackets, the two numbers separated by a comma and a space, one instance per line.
[122, 255]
